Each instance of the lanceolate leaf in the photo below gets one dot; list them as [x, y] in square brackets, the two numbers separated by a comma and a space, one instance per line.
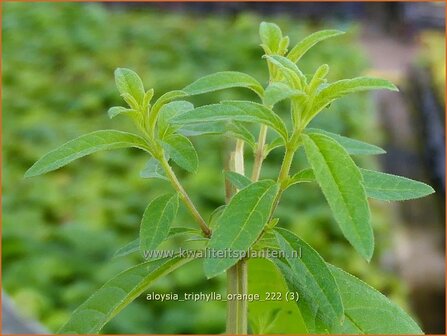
[270, 35]
[167, 112]
[116, 294]
[238, 180]
[271, 316]
[343, 87]
[224, 80]
[85, 145]
[210, 128]
[157, 220]
[304, 45]
[239, 225]
[127, 81]
[313, 280]
[290, 71]
[278, 91]
[239, 131]
[115, 110]
[181, 150]
[388, 187]
[134, 245]
[233, 110]
[352, 146]
[342, 185]
[367, 311]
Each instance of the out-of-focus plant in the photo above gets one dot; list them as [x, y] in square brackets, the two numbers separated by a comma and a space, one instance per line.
[328, 299]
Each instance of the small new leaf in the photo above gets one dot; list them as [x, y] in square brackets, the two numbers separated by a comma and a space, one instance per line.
[271, 37]
[305, 44]
[85, 145]
[238, 180]
[388, 187]
[127, 81]
[115, 110]
[278, 91]
[157, 220]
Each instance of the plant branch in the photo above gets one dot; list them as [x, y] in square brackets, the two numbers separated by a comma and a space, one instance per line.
[184, 196]
[237, 309]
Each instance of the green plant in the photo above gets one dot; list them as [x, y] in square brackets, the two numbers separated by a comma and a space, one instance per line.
[330, 300]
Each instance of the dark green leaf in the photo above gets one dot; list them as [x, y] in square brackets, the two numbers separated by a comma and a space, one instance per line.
[388, 187]
[319, 296]
[181, 150]
[342, 185]
[116, 294]
[85, 145]
[367, 311]
[352, 146]
[305, 175]
[239, 225]
[157, 220]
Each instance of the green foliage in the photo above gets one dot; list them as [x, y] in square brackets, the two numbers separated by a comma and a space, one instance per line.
[319, 294]
[116, 294]
[238, 180]
[161, 126]
[388, 187]
[85, 145]
[240, 224]
[367, 311]
[341, 182]
[157, 220]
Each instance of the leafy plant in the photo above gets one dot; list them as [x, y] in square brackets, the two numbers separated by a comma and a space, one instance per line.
[330, 300]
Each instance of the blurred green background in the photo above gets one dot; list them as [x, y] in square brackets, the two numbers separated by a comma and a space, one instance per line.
[60, 230]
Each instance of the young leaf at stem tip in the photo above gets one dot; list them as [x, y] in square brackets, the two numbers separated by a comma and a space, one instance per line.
[342, 185]
[127, 81]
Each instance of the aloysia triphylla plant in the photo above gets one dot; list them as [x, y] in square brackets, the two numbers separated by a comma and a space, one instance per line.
[331, 300]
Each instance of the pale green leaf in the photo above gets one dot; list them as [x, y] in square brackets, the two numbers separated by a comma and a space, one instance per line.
[278, 91]
[244, 111]
[148, 98]
[271, 316]
[181, 151]
[368, 311]
[290, 71]
[352, 146]
[167, 112]
[116, 294]
[127, 81]
[85, 145]
[134, 245]
[308, 42]
[115, 110]
[153, 169]
[224, 80]
[388, 187]
[239, 225]
[238, 180]
[157, 220]
[160, 102]
[271, 36]
[342, 185]
[319, 296]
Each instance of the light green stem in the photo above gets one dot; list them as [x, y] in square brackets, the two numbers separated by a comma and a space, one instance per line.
[184, 196]
[237, 309]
